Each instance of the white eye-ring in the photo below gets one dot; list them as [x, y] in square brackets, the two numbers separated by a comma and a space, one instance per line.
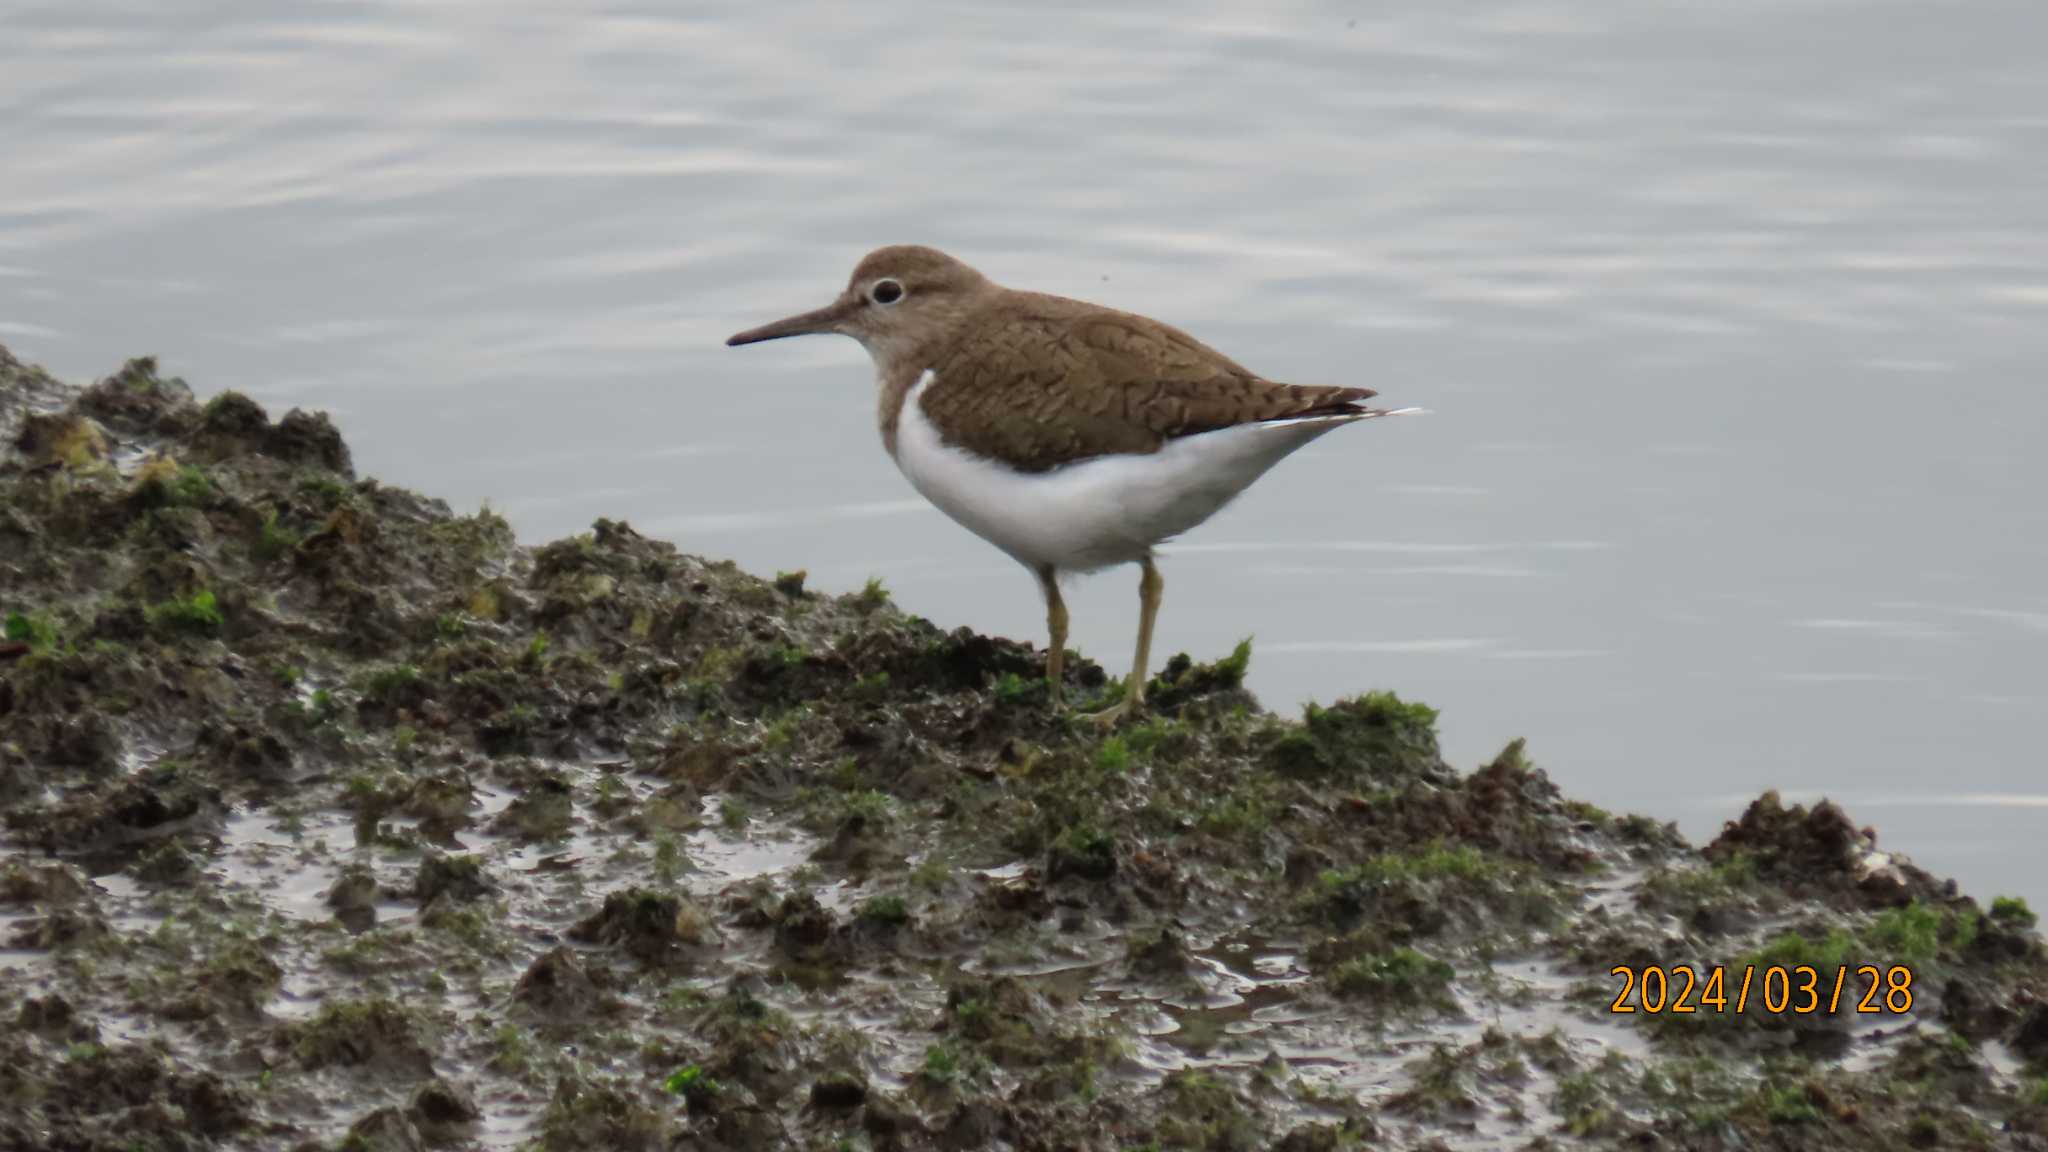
[885, 291]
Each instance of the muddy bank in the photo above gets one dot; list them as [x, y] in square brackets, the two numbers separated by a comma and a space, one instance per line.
[333, 819]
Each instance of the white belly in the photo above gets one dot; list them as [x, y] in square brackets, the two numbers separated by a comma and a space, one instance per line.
[1098, 512]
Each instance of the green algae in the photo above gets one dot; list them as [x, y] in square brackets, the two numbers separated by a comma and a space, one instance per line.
[798, 840]
[887, 909]
[2012, 912]
[600, 1115]
[1203, 1112]
[198, 614]
[1377, 735]
[1403, 977]
[376, 1034]
[39, 633]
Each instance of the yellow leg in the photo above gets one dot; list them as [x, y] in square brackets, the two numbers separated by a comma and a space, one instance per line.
[1150, 586]
[1056, 627]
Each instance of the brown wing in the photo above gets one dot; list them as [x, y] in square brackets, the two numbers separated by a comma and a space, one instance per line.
[1056, 381]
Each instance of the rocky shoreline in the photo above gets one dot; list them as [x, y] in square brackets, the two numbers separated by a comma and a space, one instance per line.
[332, 819]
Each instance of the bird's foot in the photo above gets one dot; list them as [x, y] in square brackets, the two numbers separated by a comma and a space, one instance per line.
[1108, 718]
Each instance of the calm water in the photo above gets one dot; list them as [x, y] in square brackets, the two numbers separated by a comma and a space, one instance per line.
[1731, 318]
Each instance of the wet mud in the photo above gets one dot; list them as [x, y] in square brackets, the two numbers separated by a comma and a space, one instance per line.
[331, 819]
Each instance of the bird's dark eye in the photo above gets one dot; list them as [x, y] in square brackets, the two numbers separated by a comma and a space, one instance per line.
[885, 291]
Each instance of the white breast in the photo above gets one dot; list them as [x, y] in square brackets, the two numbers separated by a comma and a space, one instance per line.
[1097, 512]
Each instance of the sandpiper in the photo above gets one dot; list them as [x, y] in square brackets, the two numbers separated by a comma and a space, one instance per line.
[1073, 437]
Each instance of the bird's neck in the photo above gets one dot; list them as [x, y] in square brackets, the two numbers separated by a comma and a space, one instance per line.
[894, 379]
[901, 358]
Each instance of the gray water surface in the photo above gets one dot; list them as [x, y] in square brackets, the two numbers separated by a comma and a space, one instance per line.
[1730, 318]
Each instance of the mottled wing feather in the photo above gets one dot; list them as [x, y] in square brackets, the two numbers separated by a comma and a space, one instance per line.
[1055, 381]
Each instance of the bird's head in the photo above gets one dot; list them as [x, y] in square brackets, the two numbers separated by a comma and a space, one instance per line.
[900, 298]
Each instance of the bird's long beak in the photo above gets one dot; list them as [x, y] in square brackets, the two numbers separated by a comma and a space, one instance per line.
[826, 319]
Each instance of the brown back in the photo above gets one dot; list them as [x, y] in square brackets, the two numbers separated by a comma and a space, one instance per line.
[1041, 381]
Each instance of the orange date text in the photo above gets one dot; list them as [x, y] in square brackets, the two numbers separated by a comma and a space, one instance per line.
[1771, 989]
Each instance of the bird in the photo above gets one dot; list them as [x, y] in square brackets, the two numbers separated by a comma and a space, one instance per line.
[1072, 436]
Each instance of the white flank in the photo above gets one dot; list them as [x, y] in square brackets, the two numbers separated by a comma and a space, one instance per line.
[1101, 511]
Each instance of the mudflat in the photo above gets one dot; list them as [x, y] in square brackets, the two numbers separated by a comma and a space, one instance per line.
[335, 819]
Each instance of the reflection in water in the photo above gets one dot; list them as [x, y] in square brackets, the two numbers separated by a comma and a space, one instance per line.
[1741, 304]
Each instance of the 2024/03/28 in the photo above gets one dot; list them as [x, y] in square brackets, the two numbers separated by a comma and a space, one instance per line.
[1772, 988]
